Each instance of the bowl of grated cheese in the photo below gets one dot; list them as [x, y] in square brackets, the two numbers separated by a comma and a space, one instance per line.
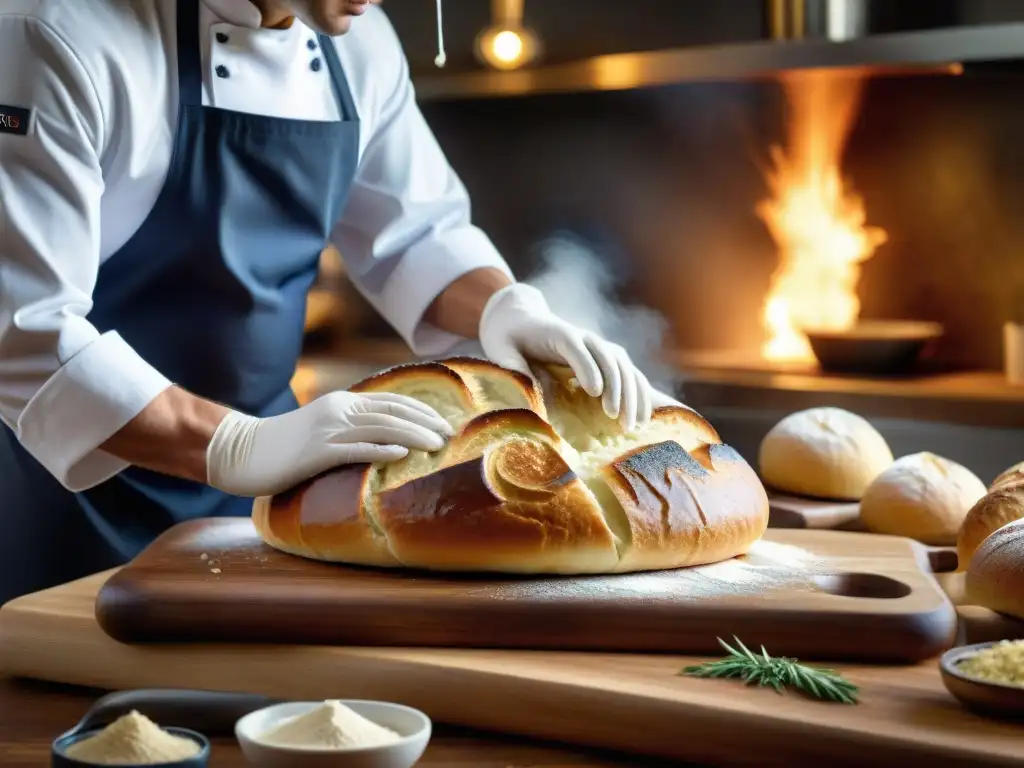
[349, 733]
[987, 678]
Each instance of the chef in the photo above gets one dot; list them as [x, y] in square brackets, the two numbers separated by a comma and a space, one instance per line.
[169, 173]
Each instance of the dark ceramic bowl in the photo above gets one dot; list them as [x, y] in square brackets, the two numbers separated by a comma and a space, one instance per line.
[879, 347]
[981, 696]
[214, 712]
[60, 760]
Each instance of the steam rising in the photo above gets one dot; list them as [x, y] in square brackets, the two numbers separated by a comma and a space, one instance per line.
[579, 287]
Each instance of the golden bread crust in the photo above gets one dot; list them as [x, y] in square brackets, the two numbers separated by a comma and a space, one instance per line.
[995, 575]
[536, 480]
[1014, 476]
[686, 509]
[517, 508]
[326, 518]
[1000, 506]
[480, 374]
[396, 378]
[329, 517]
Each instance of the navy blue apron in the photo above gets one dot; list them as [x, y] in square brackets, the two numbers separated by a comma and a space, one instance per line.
[211, 291]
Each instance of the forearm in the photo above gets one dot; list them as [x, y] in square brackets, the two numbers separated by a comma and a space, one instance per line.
[170, 435]
[458, 308]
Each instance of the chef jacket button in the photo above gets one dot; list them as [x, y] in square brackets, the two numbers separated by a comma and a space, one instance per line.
[315, 65]
[222, 71]
[311, 44]
[221, 37]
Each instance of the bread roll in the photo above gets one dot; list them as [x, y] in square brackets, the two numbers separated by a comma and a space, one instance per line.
[1013, 476]
[995, 575]
[921, 496]
[1003, 504]
[826, 453]
[536, 480]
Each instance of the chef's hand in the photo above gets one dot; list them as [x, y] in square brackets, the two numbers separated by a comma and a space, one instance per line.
[248, 456]
[518, 324]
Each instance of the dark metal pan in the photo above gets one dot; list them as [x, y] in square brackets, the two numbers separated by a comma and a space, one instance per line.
[876, 347]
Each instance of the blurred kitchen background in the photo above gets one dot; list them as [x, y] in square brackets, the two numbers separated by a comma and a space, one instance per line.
[713, 183]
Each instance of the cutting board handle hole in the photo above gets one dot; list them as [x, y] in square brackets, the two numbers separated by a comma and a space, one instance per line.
[869, 585]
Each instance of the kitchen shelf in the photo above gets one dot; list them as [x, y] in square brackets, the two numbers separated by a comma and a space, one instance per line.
[934, 50]
[975, 398]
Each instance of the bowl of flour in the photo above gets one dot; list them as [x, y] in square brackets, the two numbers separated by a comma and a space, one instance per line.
[348, 733]
[131, 741]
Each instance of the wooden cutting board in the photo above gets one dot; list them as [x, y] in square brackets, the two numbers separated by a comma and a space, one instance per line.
[800, 512]
[804, 593]
[634, 703]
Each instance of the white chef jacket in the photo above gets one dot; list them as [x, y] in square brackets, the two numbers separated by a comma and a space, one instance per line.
[100, 79]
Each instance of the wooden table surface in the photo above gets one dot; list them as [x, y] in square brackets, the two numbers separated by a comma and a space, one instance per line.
[34, 713]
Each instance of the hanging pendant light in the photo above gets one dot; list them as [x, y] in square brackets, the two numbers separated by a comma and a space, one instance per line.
[506, 43]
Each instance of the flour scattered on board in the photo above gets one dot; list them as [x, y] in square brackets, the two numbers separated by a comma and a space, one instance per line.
[766, 567]
[212, 562]
[215, 563]
[782, 555]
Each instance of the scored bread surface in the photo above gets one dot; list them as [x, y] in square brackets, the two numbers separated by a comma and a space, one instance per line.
[536, 479]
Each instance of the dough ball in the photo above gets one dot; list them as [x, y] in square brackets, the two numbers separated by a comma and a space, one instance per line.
[827, 453]
[923, 497]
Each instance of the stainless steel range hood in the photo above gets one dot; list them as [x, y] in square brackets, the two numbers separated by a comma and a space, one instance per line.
[935, 50]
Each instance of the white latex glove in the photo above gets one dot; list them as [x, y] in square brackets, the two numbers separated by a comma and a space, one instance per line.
[518, 324]
[249, 456]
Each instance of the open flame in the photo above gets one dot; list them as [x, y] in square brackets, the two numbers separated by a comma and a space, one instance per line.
[817, 223]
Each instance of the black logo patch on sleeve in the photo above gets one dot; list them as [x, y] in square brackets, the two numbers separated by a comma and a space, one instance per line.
[14, 120]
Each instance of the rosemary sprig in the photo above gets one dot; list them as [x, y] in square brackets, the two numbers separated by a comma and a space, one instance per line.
[779, 672]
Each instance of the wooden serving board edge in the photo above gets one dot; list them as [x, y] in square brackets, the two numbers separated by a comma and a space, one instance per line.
[616, 701]
[899, 631]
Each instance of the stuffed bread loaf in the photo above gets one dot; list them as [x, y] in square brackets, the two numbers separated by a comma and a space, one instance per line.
[536, 480]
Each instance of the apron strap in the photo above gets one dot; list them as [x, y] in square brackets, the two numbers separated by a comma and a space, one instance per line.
[338, 79]
[190, 68]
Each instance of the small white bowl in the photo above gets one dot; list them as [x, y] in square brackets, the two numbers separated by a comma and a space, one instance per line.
[412, 725]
